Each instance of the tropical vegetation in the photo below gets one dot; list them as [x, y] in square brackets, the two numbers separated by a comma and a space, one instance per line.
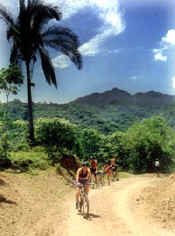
[136, 129]
[136, 149]
[31, 35]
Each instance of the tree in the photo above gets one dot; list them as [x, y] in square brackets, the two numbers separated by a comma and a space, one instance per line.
[57, 135]
[91, 142]
[30, 37]
[10, 79]
[147, 141]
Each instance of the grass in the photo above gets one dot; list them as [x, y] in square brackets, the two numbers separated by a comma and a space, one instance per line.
[27, 161]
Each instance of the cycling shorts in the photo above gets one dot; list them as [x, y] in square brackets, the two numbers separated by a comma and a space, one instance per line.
[83, 181]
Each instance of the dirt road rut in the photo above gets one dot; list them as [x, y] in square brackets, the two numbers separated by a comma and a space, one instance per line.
[113, 212]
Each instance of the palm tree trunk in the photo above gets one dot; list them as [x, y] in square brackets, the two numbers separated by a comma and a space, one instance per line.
[30, 110]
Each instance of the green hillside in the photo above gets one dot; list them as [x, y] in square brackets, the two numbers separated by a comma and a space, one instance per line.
[109, 111]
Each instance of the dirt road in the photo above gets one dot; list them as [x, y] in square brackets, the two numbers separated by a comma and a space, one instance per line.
[114, 212]
[45, 206]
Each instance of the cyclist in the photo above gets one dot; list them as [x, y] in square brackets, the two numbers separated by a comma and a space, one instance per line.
[114, 169]
[93, 168]
[108, 170]
[83, 177]
[100, 177]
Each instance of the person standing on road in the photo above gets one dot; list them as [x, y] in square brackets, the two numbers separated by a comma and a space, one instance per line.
[157, 166]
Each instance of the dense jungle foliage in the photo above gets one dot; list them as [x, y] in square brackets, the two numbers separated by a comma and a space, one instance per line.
[101, 125]
[105, 119]
[136, 148]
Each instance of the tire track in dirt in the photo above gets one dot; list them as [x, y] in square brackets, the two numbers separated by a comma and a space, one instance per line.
[112, 213]
[138, 223]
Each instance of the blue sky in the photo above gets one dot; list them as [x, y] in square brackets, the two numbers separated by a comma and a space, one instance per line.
[128, 44]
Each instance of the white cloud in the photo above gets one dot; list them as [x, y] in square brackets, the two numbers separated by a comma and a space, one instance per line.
[69, 7]
[108, 11]
[169, 37]
[92, 47]
[61, 62]
[166, 42]
[159, 57]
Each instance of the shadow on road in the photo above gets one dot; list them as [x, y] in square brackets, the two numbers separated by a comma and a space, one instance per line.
[94, 215]
[91, 216]
[5, 200]
[2, 182]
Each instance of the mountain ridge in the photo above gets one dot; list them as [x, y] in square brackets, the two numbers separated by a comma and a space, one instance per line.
[108, 111]
[118, 96]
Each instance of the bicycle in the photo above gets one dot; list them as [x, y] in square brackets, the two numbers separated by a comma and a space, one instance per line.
[115, 174]
[83, 204]
[93, 180]
[100, 178]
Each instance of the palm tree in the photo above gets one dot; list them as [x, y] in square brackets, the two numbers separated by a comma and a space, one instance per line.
[31, 38]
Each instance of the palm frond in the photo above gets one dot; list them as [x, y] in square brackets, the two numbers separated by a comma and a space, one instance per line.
[67, 49]
[36, 13]
[13, 32]
[74, 56]
[15, 58]
[46, 10]
[60, 43]
[61, 32]
[9, 33]
[21, 5]
[6, 15]
[14, 54]
[47, 67]
[64, 40]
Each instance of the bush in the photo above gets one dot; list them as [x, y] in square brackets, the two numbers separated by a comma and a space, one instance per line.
[26, 160]
[138, 147]
[57, 135]
[18, 136]
[4, 151]
[146, 141]
[91, 141]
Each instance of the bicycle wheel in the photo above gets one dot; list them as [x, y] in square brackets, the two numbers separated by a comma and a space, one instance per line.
[86, 205]
[116, 175]
[81, 205]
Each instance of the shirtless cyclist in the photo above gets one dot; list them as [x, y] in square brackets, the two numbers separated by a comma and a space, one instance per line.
[115, 174]
[108, 171]
[93, 168]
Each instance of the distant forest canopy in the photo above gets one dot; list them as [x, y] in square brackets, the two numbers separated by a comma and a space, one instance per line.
[107, 112]
[136, 134]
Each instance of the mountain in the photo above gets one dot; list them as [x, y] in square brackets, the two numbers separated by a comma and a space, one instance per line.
[108, 111]
[118, 97]
[114, 96]
[153, 98]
